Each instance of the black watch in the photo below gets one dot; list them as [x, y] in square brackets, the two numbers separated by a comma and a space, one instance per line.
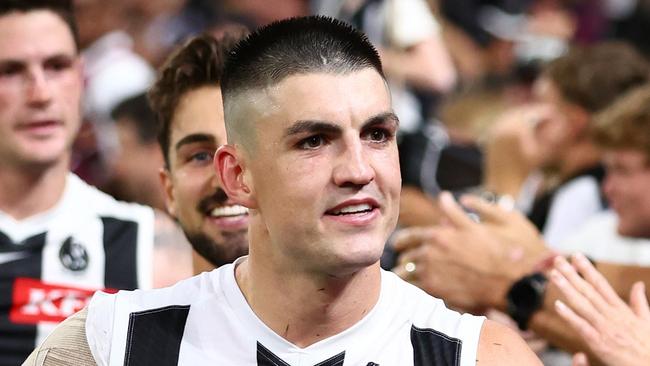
[525, 297]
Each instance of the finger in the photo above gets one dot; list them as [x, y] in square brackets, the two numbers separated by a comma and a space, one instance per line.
[574, 297]
[580, 359]
[575, 321]
[639, 301]
[412, 237]
[585, 291]
[487, 211]
[453, 212]
[596, 279]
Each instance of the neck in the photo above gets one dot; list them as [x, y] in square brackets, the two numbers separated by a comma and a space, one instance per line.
[27, 191]
[581, 156]
[200, 264]
[312, 307]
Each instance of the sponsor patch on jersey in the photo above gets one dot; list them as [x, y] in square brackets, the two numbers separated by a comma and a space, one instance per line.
[73, 255]
[35, 301]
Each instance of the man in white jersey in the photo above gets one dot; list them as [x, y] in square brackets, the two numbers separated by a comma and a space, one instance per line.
[60, 239]
[312, 154]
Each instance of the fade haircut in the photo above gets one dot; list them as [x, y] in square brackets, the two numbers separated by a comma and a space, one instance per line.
[592, 77]
[626, 123]
[295, 46]
[198, 63]
[62, 8]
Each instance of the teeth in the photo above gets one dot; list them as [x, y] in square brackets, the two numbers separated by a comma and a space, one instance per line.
[353, 209]
[235, 210]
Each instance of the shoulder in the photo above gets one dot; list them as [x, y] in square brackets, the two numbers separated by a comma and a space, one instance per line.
[82, 196]
[67, 343]
[500, 345]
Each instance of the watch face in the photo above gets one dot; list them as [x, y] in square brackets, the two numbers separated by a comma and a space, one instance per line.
[525, 295]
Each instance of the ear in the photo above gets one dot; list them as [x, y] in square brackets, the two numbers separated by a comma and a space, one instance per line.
[168, 188]
[231, 171]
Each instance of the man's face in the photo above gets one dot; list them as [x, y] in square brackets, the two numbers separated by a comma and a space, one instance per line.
[553, 133]
[40, 88]
[626, 188]
[216, 227]
[324, 171]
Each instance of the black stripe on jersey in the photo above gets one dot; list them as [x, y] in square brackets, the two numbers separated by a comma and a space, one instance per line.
[432, 348]
[267, 358]
[333, 361]
[17, 340]
[154, 336]
[120, 246]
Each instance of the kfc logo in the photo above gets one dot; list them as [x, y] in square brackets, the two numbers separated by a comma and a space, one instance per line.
[35, 301]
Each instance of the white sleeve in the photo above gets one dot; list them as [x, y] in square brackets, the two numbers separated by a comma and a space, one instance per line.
[99, 326]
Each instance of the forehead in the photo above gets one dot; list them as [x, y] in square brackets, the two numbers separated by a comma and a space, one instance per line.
[199, 111]
[34, 35]
[336, 98]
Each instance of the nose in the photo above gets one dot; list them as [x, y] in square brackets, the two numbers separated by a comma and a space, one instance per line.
[38, 87]
[353, 167]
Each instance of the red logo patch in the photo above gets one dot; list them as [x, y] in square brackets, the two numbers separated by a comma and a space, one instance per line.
[35, 301]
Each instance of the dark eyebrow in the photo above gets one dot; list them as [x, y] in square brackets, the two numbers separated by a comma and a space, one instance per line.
[382, 118]
[312, 126]
[330, 128]
[195, 137]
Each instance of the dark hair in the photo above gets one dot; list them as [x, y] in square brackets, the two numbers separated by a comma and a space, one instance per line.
[594, 76]
[297, 46]
[199, 62]
[626, 123]
[291, 47]
[140, 115]
[63, 8]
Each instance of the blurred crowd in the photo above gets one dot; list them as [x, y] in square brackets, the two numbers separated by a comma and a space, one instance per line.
[495, 98]
[533, 114]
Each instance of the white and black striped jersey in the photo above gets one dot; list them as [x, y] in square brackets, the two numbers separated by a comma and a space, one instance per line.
[206, 320]
[52, 263]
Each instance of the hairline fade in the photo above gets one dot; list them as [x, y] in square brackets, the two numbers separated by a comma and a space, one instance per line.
[290, 47]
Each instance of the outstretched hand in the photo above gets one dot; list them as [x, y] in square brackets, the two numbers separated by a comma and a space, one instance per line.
[468, 264]
[618, 334]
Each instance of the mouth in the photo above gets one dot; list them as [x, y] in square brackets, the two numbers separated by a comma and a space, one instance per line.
[229, 217]
[40, 127]
[356, 212]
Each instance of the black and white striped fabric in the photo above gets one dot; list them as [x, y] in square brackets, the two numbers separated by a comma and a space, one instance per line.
[206, 320]
[52, 263]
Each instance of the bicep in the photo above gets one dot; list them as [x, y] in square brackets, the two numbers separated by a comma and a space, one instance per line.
[500, 345]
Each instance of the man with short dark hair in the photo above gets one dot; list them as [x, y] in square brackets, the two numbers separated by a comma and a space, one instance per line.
[312, 154]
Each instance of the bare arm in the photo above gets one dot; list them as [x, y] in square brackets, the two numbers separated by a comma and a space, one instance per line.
[500, 345]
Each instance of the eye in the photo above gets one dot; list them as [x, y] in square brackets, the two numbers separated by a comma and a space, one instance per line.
[201, 157]
[58, 63]
[9, 70]
[312, 142]
[378, 135]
